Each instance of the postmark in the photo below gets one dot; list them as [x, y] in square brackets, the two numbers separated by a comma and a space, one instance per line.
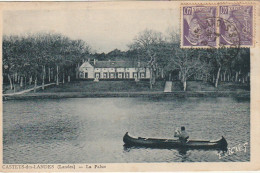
[233, 37]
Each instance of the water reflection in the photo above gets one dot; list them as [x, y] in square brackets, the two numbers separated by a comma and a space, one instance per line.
[90, 130]
[183, 154]
[182, 151]
[241, 99]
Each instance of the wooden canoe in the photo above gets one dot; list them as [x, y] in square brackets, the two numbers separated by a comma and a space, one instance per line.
[173, 143]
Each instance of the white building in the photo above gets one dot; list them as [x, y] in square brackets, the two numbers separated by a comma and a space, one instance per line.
[114, 70]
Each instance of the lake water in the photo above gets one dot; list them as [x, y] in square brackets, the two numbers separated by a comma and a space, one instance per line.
[91, 130]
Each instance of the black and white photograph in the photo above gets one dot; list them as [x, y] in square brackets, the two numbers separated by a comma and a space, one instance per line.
[114, 85]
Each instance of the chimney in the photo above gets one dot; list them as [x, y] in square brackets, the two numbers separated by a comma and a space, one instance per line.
[88, 59]
[94, 61]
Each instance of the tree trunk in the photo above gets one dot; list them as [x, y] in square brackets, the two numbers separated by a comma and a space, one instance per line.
[49, 74]
[151, 76]
[10, 80]
[35, 84]
[14, 84]
[63, 78]
[25, 78]
[216, 83]
[15, 77]
[30, 80]
[21, 82]
[77, 71]
[162, 76]
[184, 85]
[57, 78]
[224, 76]
[52, 75]
[69, 78]
[236, 76]
[43, 76]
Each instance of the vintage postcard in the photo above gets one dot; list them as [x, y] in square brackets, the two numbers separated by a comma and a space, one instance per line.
[130, 86]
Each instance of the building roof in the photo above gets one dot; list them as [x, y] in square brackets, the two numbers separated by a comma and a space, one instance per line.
[118, 64]
[85, 65]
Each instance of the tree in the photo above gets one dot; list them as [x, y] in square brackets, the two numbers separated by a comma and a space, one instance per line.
[221, 58]
[28, 57]
[148, 44]
[187, 61]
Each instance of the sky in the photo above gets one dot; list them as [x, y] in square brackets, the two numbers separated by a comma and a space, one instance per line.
[103, 29]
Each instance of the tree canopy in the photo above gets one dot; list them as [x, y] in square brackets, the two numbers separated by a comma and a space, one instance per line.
[29, 56]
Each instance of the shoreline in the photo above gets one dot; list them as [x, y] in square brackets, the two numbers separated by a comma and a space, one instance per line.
[156, 94]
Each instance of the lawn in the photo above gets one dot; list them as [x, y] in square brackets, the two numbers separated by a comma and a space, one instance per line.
[106, 86]
[132, 86]
[206, 86]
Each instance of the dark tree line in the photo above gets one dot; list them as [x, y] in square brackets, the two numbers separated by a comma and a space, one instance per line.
[41, 58]
[164, 55]
[45, 58]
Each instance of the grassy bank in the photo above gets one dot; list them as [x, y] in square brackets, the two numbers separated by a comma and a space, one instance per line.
[141, 86]
[235, 94]
[82, 89]
[18, 88]
[206, 86]
[105, 86]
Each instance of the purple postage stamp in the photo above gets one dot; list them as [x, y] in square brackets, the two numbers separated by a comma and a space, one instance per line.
[239, 18]
[199, 26]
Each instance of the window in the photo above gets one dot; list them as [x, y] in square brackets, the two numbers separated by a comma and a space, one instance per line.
[120, 75]
[104, 75]
[86, 75]
[127, 75]
[135, 75]
[112, 75]
[142, 75]
[81, 75]
[97, 75]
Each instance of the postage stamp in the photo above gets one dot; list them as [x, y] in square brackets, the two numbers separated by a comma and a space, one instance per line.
[241, 18]
[205, 26]
[199, 26]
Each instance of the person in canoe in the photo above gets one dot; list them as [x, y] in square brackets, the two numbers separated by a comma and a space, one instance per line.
[183, 135]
